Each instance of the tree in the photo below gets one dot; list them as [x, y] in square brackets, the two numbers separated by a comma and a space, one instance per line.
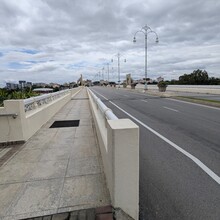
[197, 77]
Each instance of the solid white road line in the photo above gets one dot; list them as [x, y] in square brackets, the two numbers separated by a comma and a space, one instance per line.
[213, 175]
[191, 103]
[100, 95]
[170, 109]
[144, 100]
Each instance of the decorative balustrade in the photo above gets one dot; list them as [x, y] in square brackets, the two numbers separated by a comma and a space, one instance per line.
[37, 101]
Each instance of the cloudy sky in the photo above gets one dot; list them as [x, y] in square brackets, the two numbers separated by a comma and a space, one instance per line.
[57, 40]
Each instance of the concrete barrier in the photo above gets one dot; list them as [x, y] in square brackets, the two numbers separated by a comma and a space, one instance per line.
[203, 89]
[119, 146]
[20, 119]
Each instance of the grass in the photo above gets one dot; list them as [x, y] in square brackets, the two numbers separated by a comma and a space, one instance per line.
[209, 102]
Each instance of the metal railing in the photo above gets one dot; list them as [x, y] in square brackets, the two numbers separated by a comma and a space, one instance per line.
[13, 115]
[35, 102]
[107, 112]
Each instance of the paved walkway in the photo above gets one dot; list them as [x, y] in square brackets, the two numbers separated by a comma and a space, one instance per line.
[57, 170]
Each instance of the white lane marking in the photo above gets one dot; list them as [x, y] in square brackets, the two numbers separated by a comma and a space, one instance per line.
[100, 95]
[190, 156]
[126, 95]
[170, 109]
[144, 100]
[190, 103]
[4, 151]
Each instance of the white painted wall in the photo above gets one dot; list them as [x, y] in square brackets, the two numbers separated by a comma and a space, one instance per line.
[27, 123]
[119, 146]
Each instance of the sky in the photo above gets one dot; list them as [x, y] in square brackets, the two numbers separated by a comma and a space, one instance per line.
[57, 40]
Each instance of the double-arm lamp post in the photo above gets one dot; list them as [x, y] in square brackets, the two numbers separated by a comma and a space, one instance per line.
[146, 30]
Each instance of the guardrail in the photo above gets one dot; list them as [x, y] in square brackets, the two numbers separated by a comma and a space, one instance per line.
[30, 114]
[13, 115]
[37, 101]
[107, 112]
[119, 145]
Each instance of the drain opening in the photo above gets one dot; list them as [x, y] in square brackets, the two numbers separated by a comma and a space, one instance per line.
[63, 124]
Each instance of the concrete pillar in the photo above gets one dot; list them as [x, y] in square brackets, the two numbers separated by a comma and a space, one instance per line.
[123, 143]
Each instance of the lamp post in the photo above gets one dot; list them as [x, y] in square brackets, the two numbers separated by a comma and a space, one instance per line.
[118, 55]
[146, 30]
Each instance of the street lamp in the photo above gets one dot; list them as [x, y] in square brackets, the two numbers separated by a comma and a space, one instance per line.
[118, 55]
[146, 30]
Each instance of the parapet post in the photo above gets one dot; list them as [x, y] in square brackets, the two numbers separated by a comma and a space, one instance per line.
[123, 140]
[14, 126]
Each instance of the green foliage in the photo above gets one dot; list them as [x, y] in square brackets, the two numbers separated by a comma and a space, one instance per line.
[162, 84]
[5, 95]
[197, 77]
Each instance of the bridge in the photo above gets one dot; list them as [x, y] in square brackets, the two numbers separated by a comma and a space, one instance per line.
[75, 154]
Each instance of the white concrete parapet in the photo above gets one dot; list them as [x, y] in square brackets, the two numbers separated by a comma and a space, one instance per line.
[22, 118]
[203, 89]
[119, 146]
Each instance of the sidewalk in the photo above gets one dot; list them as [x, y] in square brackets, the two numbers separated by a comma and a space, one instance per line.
[57, 170]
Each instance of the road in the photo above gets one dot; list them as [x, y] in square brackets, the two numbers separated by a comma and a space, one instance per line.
[179, 154]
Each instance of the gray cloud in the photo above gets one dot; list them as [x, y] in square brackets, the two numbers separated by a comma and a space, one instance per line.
[70, 32]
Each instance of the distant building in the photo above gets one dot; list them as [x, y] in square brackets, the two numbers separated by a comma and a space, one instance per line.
[28, 85]
[11, 86]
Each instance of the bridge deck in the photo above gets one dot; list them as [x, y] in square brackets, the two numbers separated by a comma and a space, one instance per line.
[57, 170]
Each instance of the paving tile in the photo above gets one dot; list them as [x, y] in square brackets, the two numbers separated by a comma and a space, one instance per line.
[36, 144]
[85, 142]
[8, 193]
[89, 189]
[49, 170]
[26, 156]
[84, 131]
[90, 214]
[61, 153]
[47, 217]
[61, 216]
[108, 216]
[59, 143]
[65, 133]
[82, 151]
[74, 215]
[82, 215]
[37, 196]
[86, 121]
[103, 209]
[83, 166]
[18, 172]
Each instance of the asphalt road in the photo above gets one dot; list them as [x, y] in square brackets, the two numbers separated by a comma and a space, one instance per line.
[179, 154]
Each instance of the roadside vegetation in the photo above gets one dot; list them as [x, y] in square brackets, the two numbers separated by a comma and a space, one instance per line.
[10, 94]
[197, 77]
[203, 101]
